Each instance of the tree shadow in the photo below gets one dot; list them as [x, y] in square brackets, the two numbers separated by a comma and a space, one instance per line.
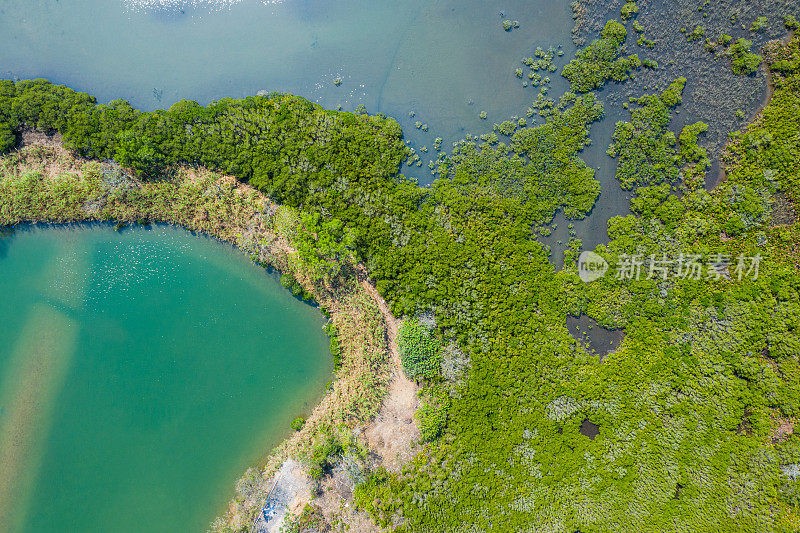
[6, 234]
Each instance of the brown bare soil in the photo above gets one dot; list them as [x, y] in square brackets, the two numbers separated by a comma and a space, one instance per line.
[394, 432]
[785, 428]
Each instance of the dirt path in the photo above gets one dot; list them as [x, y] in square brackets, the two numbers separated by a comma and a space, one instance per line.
[291, 489]
[394, 430]
[392, 436]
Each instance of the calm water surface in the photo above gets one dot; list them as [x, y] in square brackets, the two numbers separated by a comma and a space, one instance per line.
[444, 60]
[141, 373]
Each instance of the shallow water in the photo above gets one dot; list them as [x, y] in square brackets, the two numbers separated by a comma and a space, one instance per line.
[141, 373]
[446, 60]
[595, 338]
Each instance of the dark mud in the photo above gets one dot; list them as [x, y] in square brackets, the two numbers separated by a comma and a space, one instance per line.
[589, 429]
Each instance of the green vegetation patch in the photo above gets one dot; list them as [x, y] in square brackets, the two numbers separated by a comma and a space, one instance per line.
[743, 60]
[600, 61]
[696, 34]
[419, 350]
[649, 153]
[538, 173]
[760, 24]
[629, 10]
[297, 423]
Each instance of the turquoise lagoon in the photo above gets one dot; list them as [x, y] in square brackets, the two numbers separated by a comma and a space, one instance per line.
[141, 373]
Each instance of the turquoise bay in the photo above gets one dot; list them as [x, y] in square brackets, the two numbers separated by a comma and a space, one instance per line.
[141, 373]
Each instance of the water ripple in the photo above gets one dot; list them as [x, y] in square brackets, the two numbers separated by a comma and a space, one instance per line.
[180, 5]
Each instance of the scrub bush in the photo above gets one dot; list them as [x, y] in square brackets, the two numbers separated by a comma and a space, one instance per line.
[743, 61]
[600, 61]
[420, 352]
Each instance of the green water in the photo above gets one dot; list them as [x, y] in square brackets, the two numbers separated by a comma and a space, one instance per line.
[141, 373]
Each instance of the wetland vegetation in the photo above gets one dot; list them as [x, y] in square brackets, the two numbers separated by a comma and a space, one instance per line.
[684, 435]
[688, 423]
[601, 60]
